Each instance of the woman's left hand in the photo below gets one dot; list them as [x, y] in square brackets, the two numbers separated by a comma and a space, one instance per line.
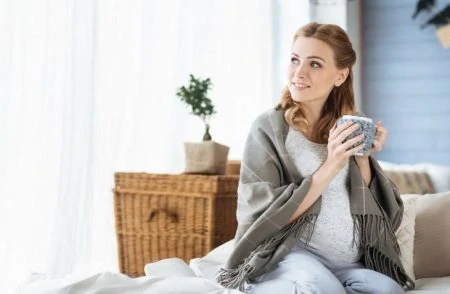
[380, 137]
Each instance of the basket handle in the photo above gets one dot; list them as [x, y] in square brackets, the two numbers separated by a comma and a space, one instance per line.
[172, 215]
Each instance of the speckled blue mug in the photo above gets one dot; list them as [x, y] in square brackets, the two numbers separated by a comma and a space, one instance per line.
[366, 126]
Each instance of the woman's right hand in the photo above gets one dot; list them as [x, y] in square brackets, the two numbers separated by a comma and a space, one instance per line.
[338, 155]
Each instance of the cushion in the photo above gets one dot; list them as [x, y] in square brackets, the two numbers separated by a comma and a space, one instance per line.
[432, 236]
[405, 233]
[439, 174]
[439, 285]
[411, 182]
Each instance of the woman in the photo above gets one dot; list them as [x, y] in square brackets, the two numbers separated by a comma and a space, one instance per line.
[312, 217]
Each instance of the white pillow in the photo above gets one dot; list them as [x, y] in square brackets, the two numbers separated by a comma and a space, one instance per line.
[405, 233]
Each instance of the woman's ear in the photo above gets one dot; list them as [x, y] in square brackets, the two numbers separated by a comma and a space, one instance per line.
[342, 76]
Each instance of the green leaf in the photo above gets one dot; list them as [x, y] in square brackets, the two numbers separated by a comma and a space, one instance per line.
[195, 96]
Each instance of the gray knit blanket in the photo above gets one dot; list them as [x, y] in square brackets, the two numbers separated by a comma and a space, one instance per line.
[270, 191]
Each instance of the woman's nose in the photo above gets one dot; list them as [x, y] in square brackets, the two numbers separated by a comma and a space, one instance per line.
[301, 70]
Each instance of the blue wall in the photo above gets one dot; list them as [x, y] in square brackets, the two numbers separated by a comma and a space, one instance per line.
[406, 81]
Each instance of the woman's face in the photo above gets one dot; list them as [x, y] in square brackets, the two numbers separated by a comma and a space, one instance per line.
[312, 73]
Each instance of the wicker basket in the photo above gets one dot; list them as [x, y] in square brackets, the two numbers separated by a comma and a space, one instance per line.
[160, 216]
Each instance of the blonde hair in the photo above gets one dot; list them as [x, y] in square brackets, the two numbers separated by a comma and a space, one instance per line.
[341, 99]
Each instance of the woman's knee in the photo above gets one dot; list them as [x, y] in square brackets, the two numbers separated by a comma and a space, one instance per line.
[388, 286]
[369, 281]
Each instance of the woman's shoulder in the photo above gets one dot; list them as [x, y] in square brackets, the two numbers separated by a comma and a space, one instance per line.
[270, 118]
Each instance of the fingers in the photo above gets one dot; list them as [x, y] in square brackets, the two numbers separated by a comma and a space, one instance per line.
[345, 133]
[380, 136]
[354, 150]
[381, 133]
[338, 134]
[377, 146]
[347, 146]
[339, 146]
[336, 130]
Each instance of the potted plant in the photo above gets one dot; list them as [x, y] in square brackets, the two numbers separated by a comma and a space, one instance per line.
[207, 157]
[195, 95]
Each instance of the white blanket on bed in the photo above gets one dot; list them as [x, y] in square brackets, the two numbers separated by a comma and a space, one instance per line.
[166, 276]
[170, 276]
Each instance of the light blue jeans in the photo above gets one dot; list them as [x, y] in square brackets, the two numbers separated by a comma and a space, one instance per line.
[303, 272]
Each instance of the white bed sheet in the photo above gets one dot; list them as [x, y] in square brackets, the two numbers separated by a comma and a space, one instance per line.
[169, 276]
[163, 277]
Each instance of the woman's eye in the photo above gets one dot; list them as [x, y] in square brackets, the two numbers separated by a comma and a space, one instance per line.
[294, 60]
[315, 64]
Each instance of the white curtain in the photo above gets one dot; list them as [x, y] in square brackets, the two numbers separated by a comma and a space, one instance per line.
[87, 88]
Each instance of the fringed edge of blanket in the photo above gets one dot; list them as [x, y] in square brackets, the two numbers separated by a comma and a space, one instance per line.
[375, 232]
[375, 260]
[235, 278]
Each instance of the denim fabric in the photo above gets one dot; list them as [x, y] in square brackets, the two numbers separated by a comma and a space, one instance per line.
[304, 272]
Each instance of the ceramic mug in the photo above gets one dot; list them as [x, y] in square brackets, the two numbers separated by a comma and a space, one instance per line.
[366, 126]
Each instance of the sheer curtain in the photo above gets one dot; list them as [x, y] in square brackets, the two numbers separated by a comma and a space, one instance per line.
[87, 88]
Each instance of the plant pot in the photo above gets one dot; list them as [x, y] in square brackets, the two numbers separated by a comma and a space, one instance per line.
[206, 157]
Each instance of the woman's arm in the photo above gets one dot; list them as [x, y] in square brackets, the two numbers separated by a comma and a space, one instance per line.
[338, 155]
[264, 189]
[320, 180]
[364, 167]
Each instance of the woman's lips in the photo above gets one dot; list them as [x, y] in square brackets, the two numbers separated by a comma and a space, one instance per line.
[299, 86]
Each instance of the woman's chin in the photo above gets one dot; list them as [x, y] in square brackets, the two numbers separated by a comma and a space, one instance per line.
[298, 98]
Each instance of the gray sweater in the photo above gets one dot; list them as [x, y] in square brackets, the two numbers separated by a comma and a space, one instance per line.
[333, 236]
